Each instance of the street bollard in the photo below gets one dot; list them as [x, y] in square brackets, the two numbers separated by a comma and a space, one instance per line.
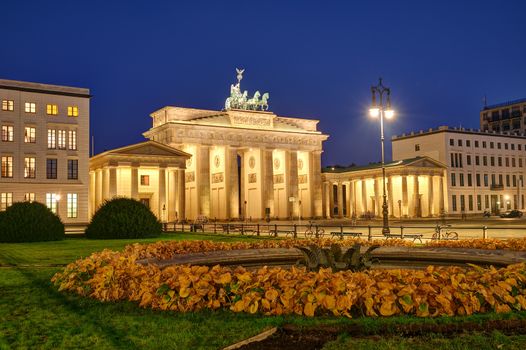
[484, 232]
[369, 235]
[258, 229]
[295, 232]
[402, 232]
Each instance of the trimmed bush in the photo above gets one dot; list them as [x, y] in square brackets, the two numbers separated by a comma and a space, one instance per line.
[123, 218]
[30, 222]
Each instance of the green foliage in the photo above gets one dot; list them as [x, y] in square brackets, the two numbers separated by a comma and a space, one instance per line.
[30, 222]
[123, 218]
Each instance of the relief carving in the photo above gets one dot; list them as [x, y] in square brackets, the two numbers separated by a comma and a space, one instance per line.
[252, 178]
[189, 176]
[217, 178]
[302, 179]
[278, 179]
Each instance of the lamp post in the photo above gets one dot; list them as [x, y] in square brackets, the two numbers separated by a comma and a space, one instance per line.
[382, 108]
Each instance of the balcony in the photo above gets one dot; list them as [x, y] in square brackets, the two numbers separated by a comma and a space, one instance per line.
[496, 187]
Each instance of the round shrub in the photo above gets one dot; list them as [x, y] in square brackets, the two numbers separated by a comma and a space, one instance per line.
[123, 218]
[30, 222]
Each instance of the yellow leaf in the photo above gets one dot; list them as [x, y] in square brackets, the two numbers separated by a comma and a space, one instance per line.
[309, 309]
[388, 308]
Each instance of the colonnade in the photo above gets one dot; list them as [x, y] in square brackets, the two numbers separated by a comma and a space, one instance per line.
[408, 195]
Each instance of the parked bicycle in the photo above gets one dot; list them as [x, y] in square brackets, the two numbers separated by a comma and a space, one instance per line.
[313, 230]
[444, 234]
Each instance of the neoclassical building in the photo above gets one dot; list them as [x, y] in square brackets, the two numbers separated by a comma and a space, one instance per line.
[245, 162]
[150, 172]
[415, 187]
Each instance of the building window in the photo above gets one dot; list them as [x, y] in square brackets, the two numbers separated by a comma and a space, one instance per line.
[6, 200]
[72, 140]
[507, 180]
[30, 134]
[520, 162]
[7, 166]
[451, 142]
[476, 144]
[453, 180]
[498, 145]
[477, 180]
[461, 179]
[7, 133]
[470, 202]
[145, 180]
[483, 144]
[468, 159]
[486, 201]
[519, 147]
[51, 202]
[512, 146]
[462, 203]
[513, 162]
[61, 139]
[8, 105]
[493, 181]
[417, 147]
[507, 161]
[484, 160]
[30, 107]
[486, 182]
[51, 109]
[492, 145]
[73, 169]
[51, 139]
[51, 168]
[29, 167]
[492, 161]
[73, 111]
[514, 180]
[29, 197]
[470, 183]
[477, 160]
[452, 160]
[500, 180]
[479, 202]
[468, 143]
[506, 146]
[459, 143]
[454, 202]
[499, 161]
[72, 205]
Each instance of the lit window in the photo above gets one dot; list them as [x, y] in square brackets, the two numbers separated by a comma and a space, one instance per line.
[30, 134]
[73, 111]
[72, 205]
[29, 197]
[51, 168]
[72, 140]
[7, 166]
[7, 133]
[51, 109]
[145, 180]
[8, 105]
[29, 167]
[73, 169]
[51, 139]
[6, 200]
[61, 139]
[51, 202]
[30, 107]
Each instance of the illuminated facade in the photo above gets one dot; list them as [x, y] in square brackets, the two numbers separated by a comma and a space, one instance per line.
[485, 169]
[150, 172]
[44, 147]
[245, 163]
[415, 188]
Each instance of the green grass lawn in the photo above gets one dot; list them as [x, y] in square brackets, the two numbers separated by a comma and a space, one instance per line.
[34, 315]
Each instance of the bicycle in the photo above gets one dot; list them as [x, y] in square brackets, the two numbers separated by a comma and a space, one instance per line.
[446, 235]
[309, 231]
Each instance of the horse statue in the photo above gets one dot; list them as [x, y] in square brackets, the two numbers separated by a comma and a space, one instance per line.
[263, 104]
[253, 103]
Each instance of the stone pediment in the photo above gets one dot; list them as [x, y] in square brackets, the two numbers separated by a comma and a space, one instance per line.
[148, 148]
[425, 162]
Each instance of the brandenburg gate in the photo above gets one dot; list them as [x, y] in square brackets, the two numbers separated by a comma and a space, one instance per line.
[246, 162]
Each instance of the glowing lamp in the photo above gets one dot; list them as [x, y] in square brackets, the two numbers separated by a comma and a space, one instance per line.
[374, 112]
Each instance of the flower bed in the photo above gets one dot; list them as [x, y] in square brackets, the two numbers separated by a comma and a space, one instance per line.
[112, 276]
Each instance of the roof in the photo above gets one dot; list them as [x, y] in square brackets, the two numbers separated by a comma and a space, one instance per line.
[44, 88]
[392, 164]
[146, 148]
[504, 104]
[458, 130]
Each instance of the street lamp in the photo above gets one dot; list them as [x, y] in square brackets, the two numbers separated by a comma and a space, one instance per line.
[382, 109]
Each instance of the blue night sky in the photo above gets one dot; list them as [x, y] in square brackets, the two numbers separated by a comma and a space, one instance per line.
[317, 59]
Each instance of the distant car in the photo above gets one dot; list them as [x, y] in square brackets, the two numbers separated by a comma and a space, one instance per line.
[511, 214]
